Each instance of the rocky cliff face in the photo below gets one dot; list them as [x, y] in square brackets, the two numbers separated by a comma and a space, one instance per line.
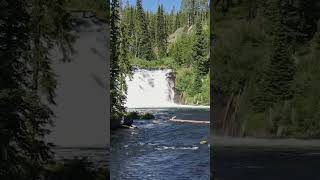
[178, 97]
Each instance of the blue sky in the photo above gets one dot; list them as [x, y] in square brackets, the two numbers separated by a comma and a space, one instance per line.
[151, 5]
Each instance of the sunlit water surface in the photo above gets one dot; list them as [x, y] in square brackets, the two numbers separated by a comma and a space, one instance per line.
[160, 149]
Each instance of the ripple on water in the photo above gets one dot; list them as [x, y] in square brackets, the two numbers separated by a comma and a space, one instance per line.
[163, 150]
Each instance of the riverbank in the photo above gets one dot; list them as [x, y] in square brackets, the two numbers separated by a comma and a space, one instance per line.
[219, 141]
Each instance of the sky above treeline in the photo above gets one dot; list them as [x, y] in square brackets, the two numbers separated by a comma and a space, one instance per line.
[152, 5]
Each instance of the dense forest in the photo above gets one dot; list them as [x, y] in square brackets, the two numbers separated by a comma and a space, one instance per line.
[29, 31]
[265, 68]
[177, 40]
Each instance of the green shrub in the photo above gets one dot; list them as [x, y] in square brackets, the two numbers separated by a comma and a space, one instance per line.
[132, 115]
[147, 116]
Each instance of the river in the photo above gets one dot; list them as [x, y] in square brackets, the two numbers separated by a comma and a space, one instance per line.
[265, 163]
[161, 149]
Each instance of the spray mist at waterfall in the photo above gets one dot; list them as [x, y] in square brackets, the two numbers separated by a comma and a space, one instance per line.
[152, 89]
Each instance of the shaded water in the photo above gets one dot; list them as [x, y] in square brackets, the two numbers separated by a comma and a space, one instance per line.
[265, 163]
[99, 156]
[160, 149]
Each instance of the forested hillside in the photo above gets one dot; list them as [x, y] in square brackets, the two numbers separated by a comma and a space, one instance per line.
[265, 68]
[177, 40]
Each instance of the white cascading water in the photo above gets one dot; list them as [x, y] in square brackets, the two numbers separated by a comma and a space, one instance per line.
[150, 88]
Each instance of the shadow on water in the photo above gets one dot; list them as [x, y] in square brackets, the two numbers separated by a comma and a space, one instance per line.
[160, 149]
[264, 163]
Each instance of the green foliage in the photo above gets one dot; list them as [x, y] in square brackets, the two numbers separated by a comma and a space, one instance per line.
[188, 50]
[278, 78]
[201, 62]
[161, 34]
[181, 49]
[134, 115]
[148, 32]
[270, 64]
[29, 31]
[164, 63]
[76, 169]
[238, 59]
[119, 66]
[143, 43]
[194, 89]
[147, 116]
[49, 22]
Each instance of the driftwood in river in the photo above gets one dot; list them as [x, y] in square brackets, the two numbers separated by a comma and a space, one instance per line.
[188, 121]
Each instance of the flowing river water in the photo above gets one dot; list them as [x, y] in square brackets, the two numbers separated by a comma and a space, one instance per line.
[160, 148]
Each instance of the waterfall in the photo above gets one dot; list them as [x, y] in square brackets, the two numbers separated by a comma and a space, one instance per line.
[150, 88]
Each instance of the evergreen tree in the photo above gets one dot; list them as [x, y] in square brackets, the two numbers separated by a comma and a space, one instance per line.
[24, 118]
[49, 22]
[119, 67]
[161, 33]
[143, 43]
[201, 62]
[153, 28]
[177, 24]
[277, 84]
[125, 66]
[177, 55]
[116, 96]
[130, 21]
[188, 7]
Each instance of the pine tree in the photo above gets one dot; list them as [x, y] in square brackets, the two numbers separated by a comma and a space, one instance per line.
[125, 66]
[153, 29]
[161, 33]
[201, 62]
[277, 84]
[49, 22]
[177, 55]
[120, 66]
[24, 117]
[128, 19]
[143, 43]
[177, 24]
[116, 104]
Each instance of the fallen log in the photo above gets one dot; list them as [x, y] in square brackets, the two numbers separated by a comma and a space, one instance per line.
[173, 119]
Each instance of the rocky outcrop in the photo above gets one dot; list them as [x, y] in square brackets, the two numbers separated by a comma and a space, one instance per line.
[178, 96]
